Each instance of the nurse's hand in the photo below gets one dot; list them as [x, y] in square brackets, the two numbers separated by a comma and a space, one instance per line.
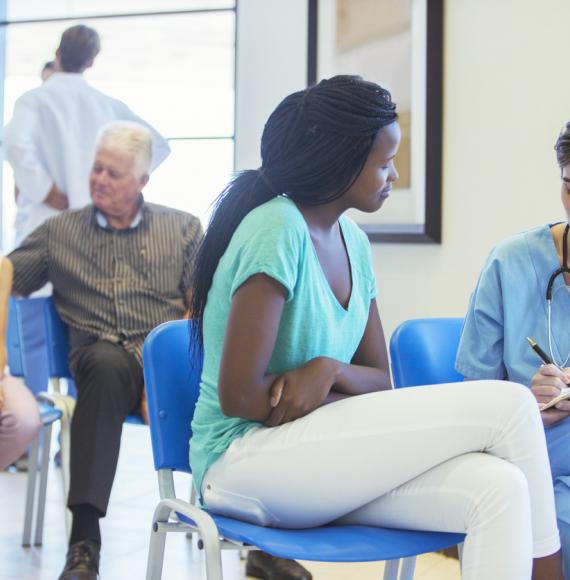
[546, 384]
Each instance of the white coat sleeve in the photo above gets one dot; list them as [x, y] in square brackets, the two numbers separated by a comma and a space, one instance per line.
[21, 147]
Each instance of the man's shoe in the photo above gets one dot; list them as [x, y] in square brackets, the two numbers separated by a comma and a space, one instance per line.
[262, 565]
[82, 562]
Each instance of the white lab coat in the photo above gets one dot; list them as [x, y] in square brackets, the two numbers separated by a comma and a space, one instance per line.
[51, 139]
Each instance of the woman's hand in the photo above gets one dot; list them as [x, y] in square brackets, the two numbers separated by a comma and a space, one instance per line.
[546, 384]
[296, 393]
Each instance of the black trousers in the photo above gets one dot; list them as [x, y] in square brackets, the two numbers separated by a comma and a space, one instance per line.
[109, 383]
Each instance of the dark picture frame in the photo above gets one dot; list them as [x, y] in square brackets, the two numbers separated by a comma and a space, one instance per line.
[413, 232]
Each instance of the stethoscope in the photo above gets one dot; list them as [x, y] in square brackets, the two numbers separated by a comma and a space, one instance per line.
[549, 287]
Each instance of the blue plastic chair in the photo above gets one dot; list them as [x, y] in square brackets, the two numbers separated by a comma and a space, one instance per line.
[172, 382]
[57, 344]
[423, 350]
[38, 462]
[57, 335]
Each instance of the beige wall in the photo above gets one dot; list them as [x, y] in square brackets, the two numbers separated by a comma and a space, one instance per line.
[507, 93]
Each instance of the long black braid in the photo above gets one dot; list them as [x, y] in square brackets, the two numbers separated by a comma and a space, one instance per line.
[313, 148]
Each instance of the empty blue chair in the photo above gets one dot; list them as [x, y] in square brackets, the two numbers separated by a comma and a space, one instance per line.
[172, 380]
[422, 351]
[38, 463]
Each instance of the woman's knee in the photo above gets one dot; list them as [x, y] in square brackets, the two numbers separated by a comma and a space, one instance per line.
[25, 426]
[501, 491]
[514, 396]
[17, 431]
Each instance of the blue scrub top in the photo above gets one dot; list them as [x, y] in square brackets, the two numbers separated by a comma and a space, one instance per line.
[509, 304]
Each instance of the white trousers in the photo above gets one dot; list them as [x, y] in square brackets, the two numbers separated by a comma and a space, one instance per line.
[465, 457]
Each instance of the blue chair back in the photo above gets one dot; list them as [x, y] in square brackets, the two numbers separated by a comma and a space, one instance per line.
[172, 380]
[26, 343]
[423, 351]
[14, 341]
[57, 338]
[43, 313]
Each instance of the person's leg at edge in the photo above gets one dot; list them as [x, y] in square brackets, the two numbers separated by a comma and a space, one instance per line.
[19, 420]
[310, 472]
[109, 384]
[562, 497]
[557, 441]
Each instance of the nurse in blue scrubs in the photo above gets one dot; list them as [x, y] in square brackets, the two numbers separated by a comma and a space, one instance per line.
[524, 290]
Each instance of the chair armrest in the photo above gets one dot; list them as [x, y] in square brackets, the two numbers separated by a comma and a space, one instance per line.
[64, 403]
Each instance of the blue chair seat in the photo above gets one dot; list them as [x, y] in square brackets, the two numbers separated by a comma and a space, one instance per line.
[334, 543]
[48, 414]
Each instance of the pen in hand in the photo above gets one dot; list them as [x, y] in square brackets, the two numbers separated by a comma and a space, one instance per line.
[547, 360]
[544, 357]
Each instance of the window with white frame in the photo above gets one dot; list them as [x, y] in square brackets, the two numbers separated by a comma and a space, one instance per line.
[171, 61]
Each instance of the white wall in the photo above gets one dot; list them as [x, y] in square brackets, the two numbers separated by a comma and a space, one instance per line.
[506, 95]
[271, 62]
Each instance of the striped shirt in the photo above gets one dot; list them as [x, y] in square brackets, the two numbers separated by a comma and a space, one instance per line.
[109, 284]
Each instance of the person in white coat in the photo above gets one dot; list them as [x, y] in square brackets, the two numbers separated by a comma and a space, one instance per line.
[50, 139]
[50, 144]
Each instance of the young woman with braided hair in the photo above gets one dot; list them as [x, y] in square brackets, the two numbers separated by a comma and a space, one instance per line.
[296, 424]
[510, 302]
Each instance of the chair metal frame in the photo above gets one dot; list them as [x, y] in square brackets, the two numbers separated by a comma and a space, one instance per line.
[57, 339]
[172, 381]
[39, 456]
[38, 461]
[57, 345]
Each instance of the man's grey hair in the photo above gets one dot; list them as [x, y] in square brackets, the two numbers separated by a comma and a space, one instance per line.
[128, 137]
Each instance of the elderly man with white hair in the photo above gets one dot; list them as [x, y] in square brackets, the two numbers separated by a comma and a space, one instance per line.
[118, 267]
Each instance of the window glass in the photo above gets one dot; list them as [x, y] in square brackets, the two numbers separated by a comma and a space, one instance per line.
[41, 9]
[193, 175]
[181, 80]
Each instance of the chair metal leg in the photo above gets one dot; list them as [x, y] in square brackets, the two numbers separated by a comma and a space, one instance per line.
[65, 455]
[66, 405]
[206, 529]
[155, 554]
[408, 568]
[460, 554]
[391, 569]
[193, 502]
[31, 491]
[44, 469]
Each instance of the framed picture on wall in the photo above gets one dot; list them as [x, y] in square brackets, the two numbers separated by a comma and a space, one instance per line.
[399, 45]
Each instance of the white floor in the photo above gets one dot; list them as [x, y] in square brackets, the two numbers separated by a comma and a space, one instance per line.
[126, 531]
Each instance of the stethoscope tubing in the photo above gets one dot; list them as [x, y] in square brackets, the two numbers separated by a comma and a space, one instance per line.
[549, 289]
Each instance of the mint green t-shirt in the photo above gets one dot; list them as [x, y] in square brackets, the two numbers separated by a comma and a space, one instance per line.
[274, 239]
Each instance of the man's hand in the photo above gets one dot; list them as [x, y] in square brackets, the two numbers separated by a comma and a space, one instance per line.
[296, 393]
[57, 199]
[546, 384]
